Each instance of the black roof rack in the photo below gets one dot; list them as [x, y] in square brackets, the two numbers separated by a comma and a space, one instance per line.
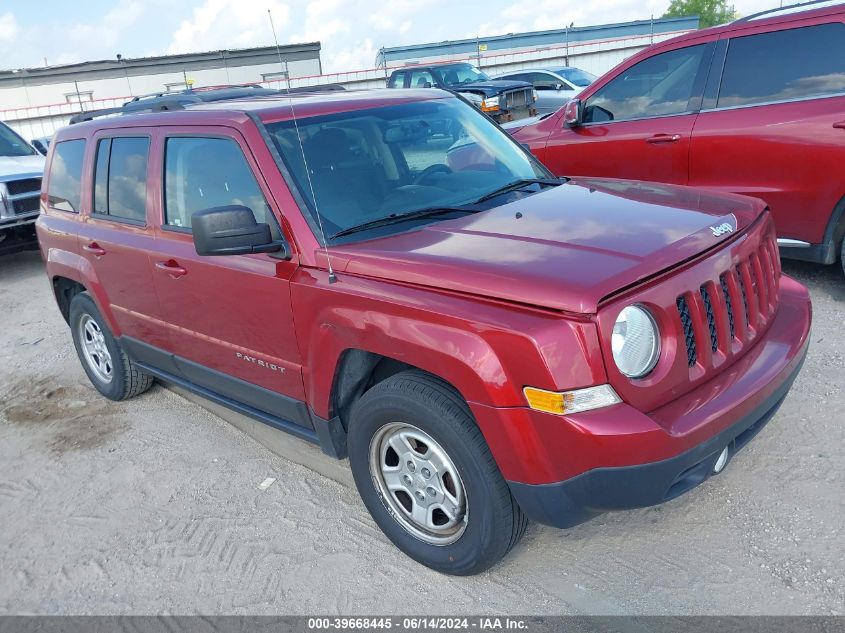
[788, 9]
[208, 93]
[166, 101]
[163, 105]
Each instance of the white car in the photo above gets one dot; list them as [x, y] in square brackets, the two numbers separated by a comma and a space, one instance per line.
[555, 86]
[21, 168]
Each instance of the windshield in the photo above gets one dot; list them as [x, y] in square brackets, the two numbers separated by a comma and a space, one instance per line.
[372, 164]
[580, 78]
[13, 145]
[457, 74]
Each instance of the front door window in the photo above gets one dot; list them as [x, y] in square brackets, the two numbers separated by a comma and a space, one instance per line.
[658, 86]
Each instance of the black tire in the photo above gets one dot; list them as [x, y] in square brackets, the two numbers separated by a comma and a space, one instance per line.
[494, 522]
[126, 380]
[842, 255]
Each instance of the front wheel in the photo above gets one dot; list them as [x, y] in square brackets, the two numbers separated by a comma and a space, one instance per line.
[426, 475]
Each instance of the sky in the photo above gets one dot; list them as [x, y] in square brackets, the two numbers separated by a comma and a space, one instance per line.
[351, 31]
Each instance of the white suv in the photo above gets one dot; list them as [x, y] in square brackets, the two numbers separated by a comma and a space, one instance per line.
[21, 168]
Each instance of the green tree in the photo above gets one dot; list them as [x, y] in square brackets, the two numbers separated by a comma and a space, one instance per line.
[710, 12]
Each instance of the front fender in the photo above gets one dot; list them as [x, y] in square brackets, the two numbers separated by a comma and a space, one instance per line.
[487, 350]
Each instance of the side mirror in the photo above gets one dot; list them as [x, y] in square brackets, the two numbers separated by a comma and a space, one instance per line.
[427, 84]
[39, 146]
[573, 113]
[231, 230]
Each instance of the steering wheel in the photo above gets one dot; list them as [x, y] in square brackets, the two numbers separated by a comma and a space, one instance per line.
[432, 169]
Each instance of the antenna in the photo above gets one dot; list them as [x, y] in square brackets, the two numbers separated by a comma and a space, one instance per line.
[332, 277]
[282, 64]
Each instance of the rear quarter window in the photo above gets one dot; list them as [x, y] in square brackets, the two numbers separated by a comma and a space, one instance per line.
[421, 79]
[64, 182]
[784, 65]
[397, 80]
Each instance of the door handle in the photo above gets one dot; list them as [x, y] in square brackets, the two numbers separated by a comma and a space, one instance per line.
[94, 249]
[171, 268]
[839, 125]
[663, 138]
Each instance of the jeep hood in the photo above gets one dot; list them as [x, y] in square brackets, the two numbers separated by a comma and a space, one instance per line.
[573, 245]
[21, 166]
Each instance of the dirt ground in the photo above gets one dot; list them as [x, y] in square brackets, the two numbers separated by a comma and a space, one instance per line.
[154, 506]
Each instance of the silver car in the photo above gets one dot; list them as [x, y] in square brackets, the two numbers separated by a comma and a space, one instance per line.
[555, 86]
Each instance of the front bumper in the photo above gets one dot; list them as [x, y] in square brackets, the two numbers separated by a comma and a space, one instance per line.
[18, 234]
[562, 470]
[567, 503]
[514, 114]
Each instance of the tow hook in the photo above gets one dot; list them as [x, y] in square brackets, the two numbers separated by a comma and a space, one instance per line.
[721, 460]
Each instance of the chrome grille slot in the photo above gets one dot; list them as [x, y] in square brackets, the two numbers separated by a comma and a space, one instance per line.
[25, 205]
[689, 334]
[723, 282]
[26, 185]
[741, 279]
[711, 318]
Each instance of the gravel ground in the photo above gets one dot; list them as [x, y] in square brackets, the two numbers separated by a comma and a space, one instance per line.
[154, 506]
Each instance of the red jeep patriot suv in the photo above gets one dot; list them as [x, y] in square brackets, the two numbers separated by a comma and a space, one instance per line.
[487, 343]
[755, 107]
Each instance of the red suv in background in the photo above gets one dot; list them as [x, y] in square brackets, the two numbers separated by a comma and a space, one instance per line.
[754, 107]
[486, 342]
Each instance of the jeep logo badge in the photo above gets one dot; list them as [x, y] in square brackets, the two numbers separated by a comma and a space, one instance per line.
[724, 227]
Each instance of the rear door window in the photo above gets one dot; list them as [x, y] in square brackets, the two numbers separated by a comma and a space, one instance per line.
[660, 85]
[542, 81]
[784, 65]
[120, 178]
[202, 173]
[64, 188]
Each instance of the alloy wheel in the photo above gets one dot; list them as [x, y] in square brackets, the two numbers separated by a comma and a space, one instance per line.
[419, 483]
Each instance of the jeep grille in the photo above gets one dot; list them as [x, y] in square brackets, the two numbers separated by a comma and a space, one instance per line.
[517, 98]
[22, 198]
[713, 317]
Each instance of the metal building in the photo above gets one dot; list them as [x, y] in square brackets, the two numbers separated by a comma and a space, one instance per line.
[562, 43]
[36, 101]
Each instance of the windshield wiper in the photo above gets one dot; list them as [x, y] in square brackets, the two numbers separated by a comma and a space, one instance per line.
[395, 218]
[519, 184]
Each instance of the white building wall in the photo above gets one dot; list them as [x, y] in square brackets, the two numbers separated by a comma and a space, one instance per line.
[37, 110]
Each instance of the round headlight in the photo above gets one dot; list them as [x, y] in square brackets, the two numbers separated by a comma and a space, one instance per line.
[635, 342]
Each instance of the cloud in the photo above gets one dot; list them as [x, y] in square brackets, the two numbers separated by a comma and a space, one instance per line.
[8, 26]
[539, 15]
[217, 24]
[350, 31]
[110, 29]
